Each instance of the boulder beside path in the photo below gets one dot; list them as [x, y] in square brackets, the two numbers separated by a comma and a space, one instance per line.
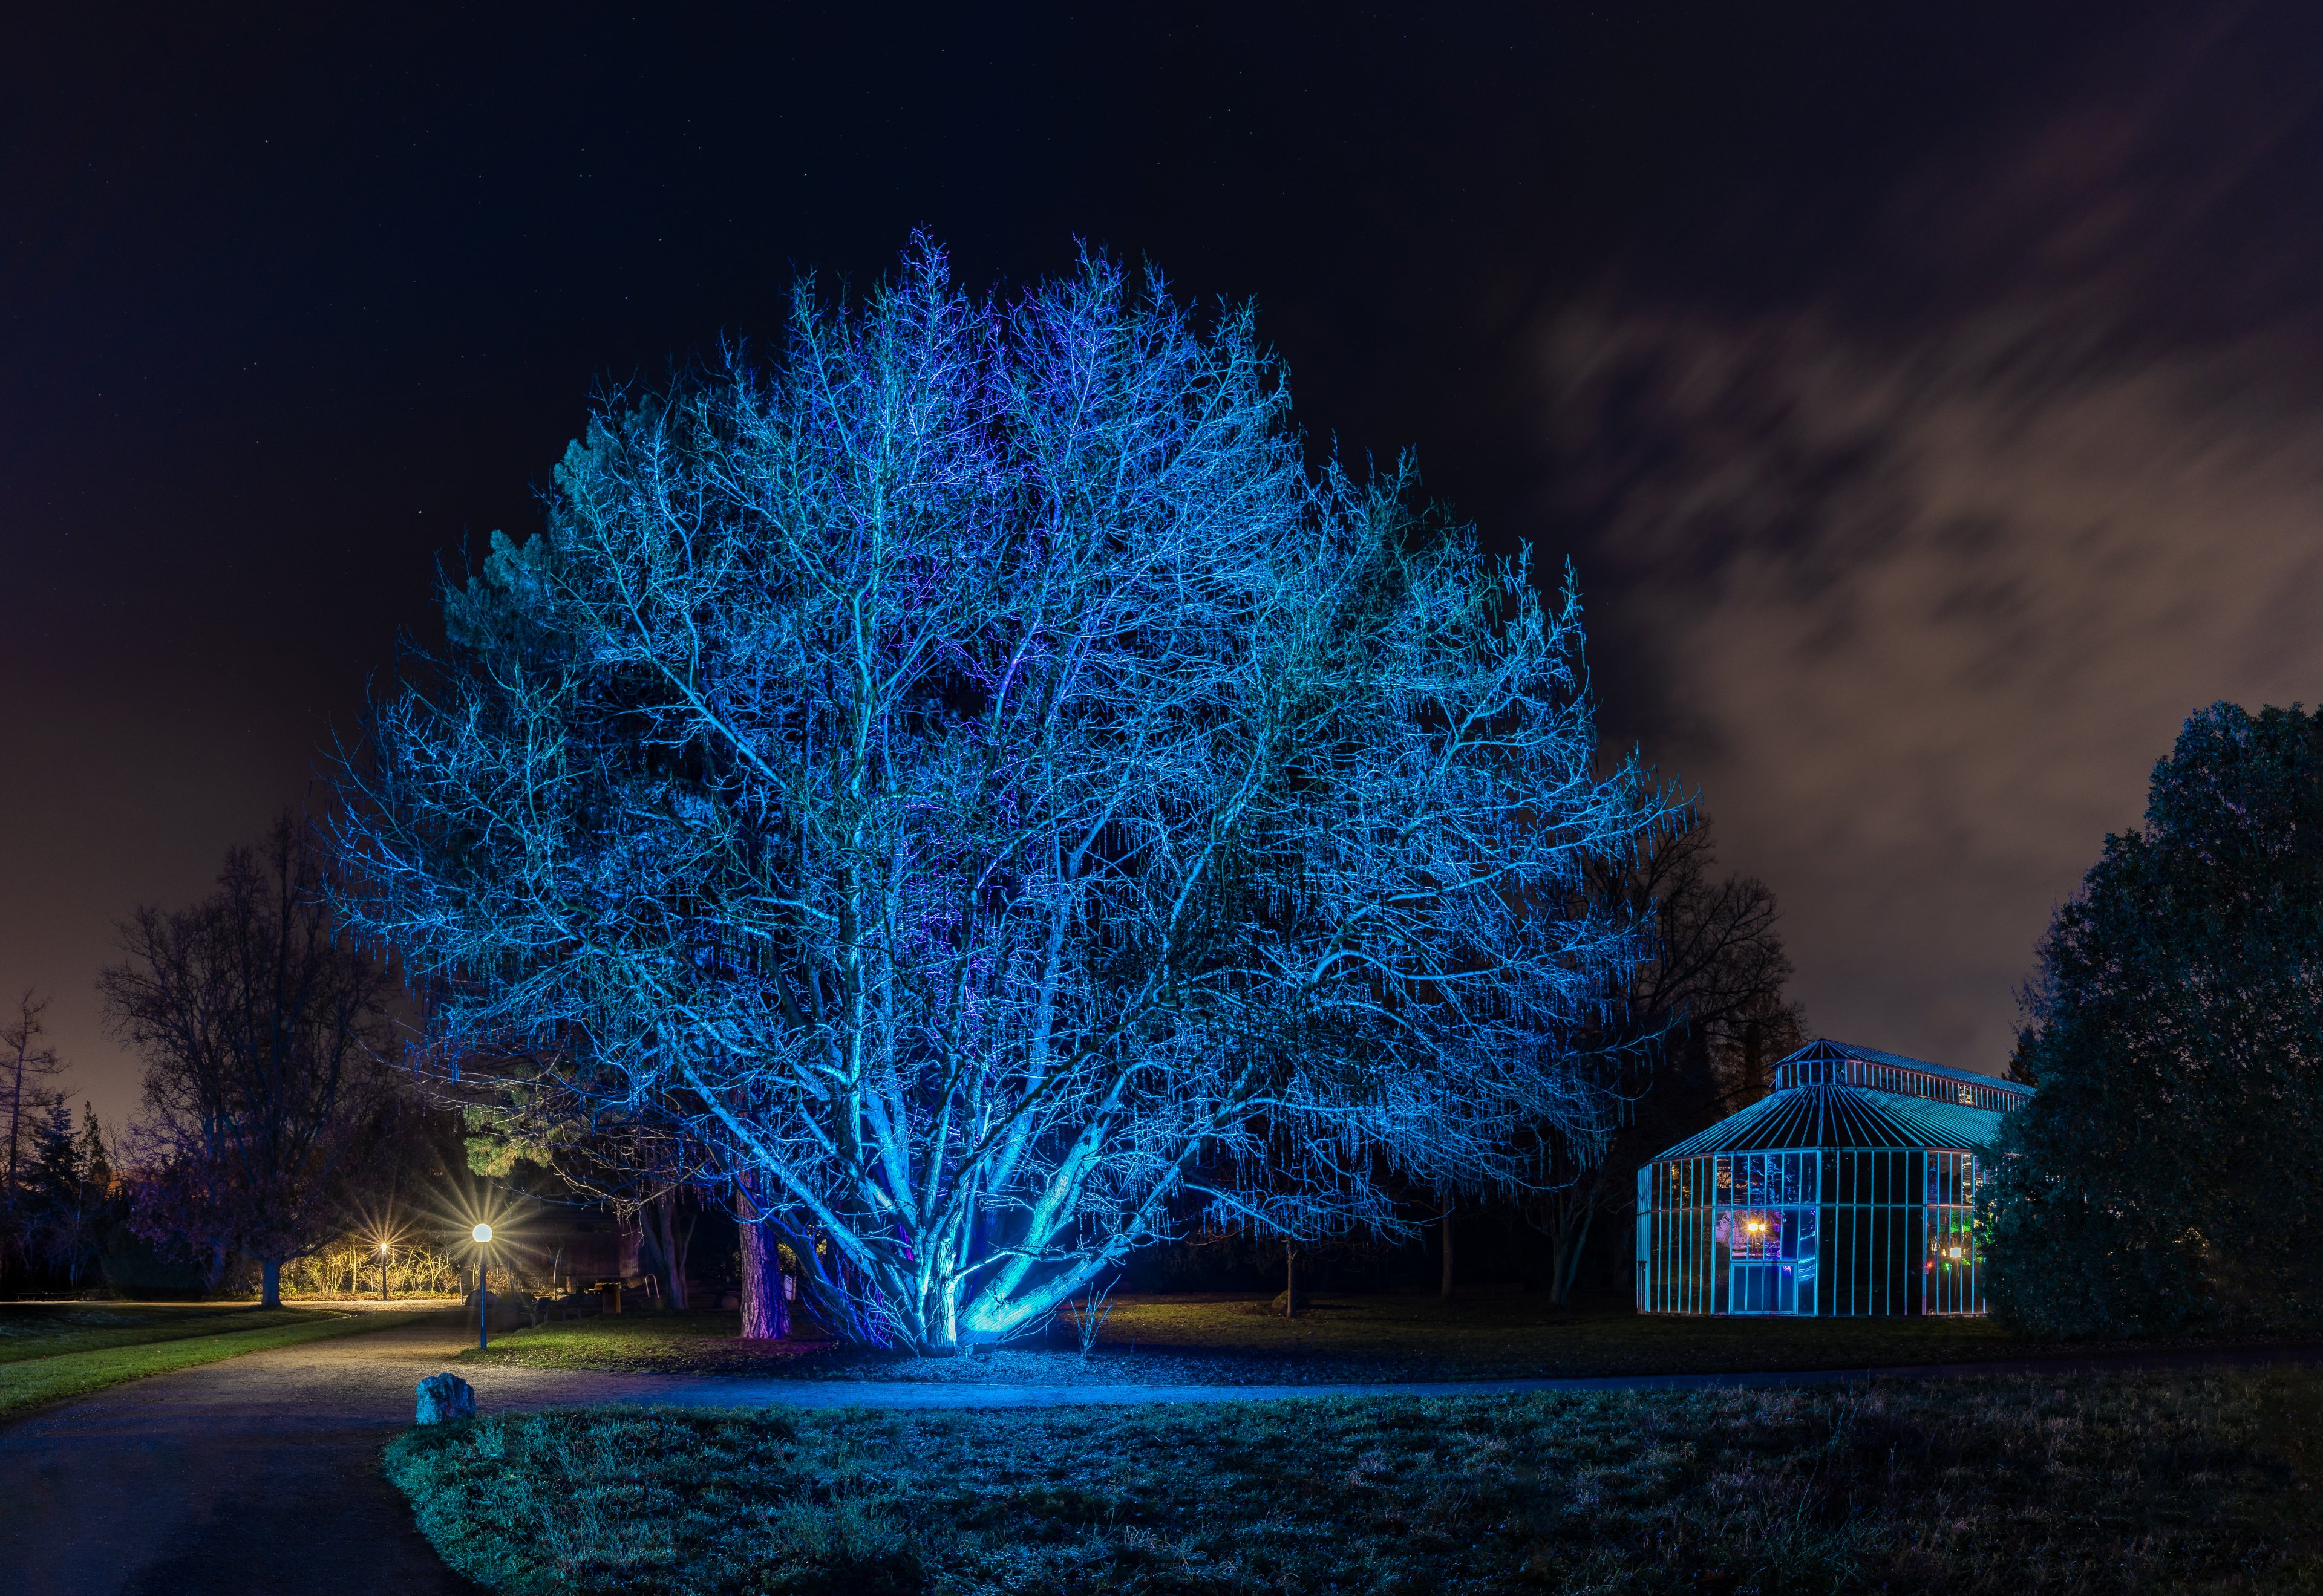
[445, 1396]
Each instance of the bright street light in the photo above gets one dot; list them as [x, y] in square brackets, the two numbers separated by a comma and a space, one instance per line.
[484, 1235]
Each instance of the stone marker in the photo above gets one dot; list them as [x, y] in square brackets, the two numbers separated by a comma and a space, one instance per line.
[445, 1396]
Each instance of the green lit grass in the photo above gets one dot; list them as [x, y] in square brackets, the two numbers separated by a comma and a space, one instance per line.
[2007, 1484]
[31, 1382]
[49, 1330]
[1513, 1335]
[1168, 1340]
[657, 1343]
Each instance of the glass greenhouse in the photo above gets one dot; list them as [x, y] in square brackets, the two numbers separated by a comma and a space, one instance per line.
[1849, 1190]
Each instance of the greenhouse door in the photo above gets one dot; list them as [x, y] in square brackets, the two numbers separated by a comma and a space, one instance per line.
[1766, 1231]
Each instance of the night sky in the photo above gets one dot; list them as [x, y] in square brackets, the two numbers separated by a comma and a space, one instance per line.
[1928, 396]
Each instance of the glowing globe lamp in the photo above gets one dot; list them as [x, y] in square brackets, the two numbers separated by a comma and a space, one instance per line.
[483, 1232]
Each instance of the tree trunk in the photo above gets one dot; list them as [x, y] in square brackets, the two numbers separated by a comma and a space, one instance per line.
[269, 1276]
[765, 1311]
[1564, 1260]
[1289, 1279]
[1444, 1292]
[15, 1125]
[664, 1210]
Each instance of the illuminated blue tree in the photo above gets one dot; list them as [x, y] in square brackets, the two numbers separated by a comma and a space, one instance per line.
[973, 777]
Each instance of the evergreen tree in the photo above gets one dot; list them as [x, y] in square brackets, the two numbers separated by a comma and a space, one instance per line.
[95, 1160]
[63, 1208]
[57, 1156]
[2165, 1174]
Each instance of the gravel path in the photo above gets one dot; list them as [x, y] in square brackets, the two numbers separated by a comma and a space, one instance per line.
[260, 1474]
[256, 1476]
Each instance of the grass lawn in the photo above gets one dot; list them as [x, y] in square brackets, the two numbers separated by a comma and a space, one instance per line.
[30, 1382]
[2008, 1484]
[51, 1329]
[1168, 1340]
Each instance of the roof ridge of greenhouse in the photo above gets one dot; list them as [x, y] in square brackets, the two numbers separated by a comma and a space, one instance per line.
[1900, 1060]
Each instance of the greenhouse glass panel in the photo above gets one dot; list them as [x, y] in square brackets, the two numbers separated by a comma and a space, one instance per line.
[1764, 1223]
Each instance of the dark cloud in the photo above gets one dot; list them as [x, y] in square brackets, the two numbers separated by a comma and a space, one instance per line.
[1928, 565]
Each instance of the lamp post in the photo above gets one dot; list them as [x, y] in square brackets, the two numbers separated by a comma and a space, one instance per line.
[484, 1238]
[382, 1271]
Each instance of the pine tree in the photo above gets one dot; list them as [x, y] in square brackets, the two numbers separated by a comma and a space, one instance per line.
[96, 1160]
[56, 1152]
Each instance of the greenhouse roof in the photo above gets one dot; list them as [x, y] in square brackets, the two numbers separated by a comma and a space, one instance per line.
[1825, 1048]
[1835, 1063]
[1831, 1115]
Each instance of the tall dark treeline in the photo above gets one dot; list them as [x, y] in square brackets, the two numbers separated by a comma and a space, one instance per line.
[265, 1032]
[59, 1197]
[64, 1201]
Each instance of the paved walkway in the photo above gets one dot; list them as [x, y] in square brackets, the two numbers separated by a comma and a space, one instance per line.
[260, 1475]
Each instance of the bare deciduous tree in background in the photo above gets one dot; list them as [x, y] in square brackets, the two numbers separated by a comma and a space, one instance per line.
[262, 1027]
[975, 780]
[1698, 1023]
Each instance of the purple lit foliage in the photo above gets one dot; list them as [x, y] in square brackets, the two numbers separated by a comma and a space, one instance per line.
[972, 778]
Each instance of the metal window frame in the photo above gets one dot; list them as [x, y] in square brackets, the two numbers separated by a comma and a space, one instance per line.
[1883, 1219]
